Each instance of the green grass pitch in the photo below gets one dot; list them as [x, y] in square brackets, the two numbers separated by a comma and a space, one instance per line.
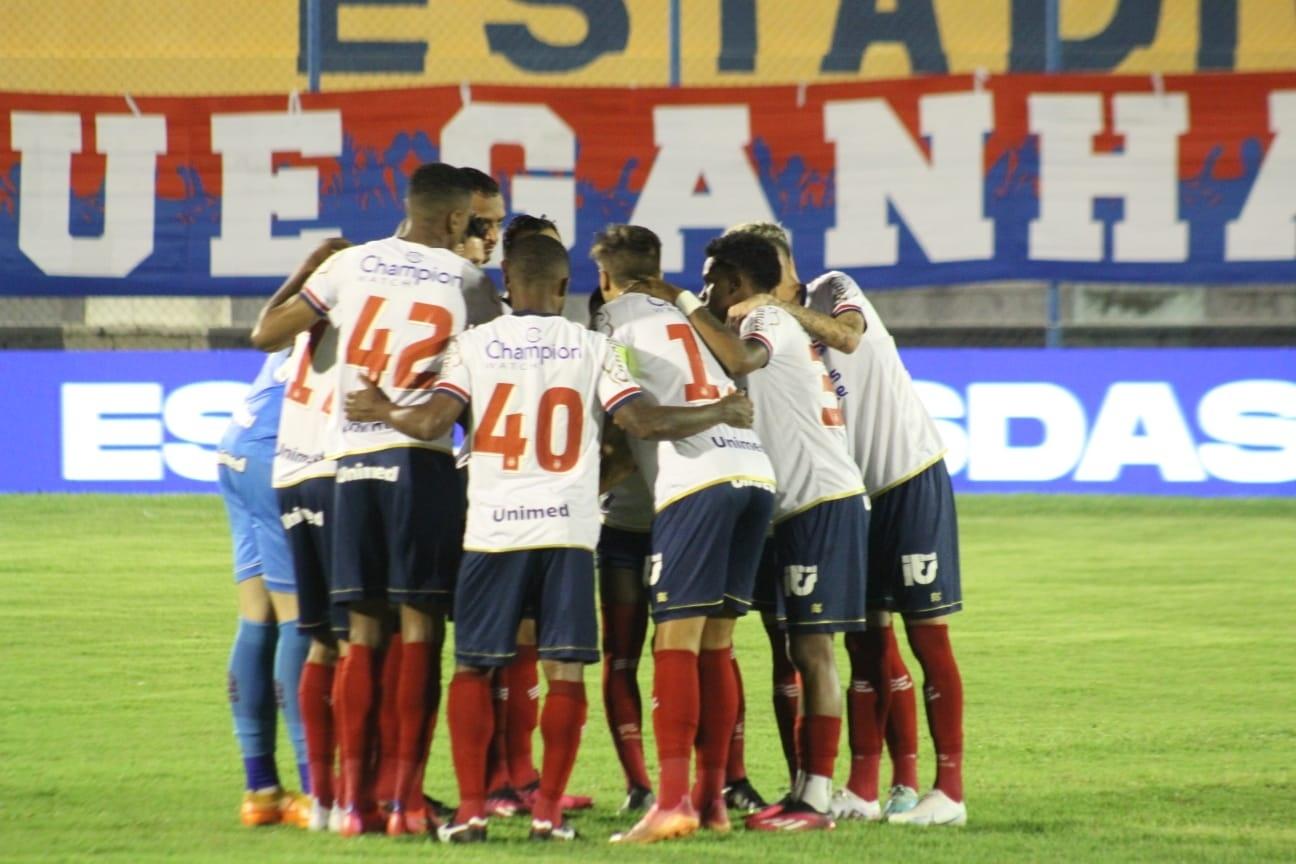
[1128, 664]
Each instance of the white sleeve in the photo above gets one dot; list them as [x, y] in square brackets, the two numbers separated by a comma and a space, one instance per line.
[767, 325]
[616, 386]
[322, 287]
[454, 379]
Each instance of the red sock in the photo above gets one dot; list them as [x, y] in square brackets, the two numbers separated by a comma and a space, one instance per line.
[717, 713]
[787, 699]
[357, 736]
[339, 728]
[471, 727]
[565, 709]
[523, 715]
[865, 709]
[412, 711]
[314, 697]
[624, 627]
[675, 721]
[943, 692]
[902, 718]
[819, 737]
[736, 769]
[388, 721]
[497, 774]
[433, 705]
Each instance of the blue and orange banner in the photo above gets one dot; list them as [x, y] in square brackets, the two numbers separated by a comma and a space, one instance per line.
[918, 181]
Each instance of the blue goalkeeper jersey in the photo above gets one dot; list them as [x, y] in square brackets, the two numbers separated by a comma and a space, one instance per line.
[255, 422]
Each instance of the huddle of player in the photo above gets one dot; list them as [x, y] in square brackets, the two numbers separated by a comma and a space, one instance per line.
[734, 436]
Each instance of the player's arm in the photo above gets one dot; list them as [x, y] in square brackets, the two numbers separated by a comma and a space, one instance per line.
[616, 462]
[672, 422]
[286, 314]
[427, 421]
[841, 332]
[737, 356]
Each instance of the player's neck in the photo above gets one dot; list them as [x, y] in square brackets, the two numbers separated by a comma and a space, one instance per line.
[789, 290]
[421, 235]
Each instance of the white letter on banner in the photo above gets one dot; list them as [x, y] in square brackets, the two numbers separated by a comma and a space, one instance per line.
[98, 446]
[945, 405]
[254, 193]
[941, 200]
[130, 146]
[1265, 231]
[706, 142]
[548, 142]
[199, 413]
[1254, 423]
[1164, 440]
[1145, 176]
[991, 408]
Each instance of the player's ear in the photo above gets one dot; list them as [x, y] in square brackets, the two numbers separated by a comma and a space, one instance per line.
[457, 223]
[563, 284]
[604, 284]
[504, 268]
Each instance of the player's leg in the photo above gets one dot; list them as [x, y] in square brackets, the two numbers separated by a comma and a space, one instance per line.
[387, 744]
[931, 591]
[625, 623]
[687, 578]
[567, 640]
[359, 558]
[427, 526]
[867, 700]
[304, 509]
[901, 731]
[291, 645]
[785, 682]
[251, 662]
[822, 561]
[488, 603]
[720, 684]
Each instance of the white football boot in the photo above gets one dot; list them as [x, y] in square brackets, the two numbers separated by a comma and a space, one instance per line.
[934, 808]
[846, 804]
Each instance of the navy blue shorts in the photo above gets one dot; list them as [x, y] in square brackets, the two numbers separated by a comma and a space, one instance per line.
[619, 549]
[305, 510]
[819, 576]
[260, 547]
[913, 548]
[705, 548]
[398, 528]
[496, 587]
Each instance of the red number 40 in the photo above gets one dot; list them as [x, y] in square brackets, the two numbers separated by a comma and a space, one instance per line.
[511, 445]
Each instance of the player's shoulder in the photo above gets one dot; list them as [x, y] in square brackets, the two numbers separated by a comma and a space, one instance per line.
[835, 286]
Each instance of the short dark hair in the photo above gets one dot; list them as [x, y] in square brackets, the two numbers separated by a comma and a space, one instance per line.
[750, 255]
[537, 259]
[627, 252]
[436, 184]
[481, 182]
[524, 225]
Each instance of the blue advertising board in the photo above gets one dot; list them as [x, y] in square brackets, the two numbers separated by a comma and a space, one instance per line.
[1208, 422]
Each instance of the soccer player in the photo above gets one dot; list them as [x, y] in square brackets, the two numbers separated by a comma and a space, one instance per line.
[913, 550]
[268, 650]
[302, 476]
[713, 497]
[820, 513]
[538, 386]
[396, 304]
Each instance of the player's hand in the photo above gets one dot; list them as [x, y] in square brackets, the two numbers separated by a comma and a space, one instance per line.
[659, 288]
[367, 403]
[325, 250]
[740, 310]
[474, 249]
[737, 410]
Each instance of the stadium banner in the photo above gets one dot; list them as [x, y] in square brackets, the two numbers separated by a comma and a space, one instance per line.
[1203, 422]
[921, 181]
[251, 46]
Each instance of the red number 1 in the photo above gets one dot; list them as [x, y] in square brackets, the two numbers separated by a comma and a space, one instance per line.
[697, 390]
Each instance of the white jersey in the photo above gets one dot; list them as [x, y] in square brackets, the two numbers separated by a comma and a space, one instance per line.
[538, 387]
[891, 435]
[307, 405]
[629, 505]
[396, 306]
[797, 416]
[675, 368]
